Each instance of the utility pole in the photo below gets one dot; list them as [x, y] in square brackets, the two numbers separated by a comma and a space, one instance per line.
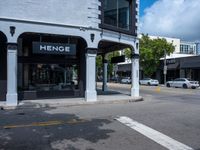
[165, 68]
[197, 43]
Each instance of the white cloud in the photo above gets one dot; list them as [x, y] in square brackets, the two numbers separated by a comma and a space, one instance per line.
[173, 18]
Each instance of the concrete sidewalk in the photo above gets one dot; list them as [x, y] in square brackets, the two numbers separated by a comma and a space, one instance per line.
[107, 98]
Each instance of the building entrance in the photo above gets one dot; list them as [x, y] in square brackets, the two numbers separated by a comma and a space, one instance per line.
[50, 69]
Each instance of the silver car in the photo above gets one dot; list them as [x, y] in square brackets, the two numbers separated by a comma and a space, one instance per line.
[183, 83]
[126, 80]
[149, 81]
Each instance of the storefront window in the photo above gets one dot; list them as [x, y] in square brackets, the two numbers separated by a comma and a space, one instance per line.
[50, 77]
[117, 13]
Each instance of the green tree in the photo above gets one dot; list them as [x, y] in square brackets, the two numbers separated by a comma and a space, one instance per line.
[127, 53]
[99, 63]
[110, 65]
[151, 50]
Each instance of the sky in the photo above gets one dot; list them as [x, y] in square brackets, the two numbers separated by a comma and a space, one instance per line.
[171, 18]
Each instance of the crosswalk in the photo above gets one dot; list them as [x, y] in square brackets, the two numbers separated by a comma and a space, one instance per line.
[154, 135]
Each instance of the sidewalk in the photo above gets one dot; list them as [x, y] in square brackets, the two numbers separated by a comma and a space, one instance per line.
[107, 98]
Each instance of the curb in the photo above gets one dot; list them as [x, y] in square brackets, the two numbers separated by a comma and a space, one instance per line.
[28, 105]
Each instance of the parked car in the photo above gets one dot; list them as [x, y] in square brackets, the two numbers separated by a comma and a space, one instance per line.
[149, 81]
[126, 80]
[114, 79]
[183, 83]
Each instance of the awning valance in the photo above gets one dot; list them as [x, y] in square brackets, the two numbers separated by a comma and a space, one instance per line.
[190, 64]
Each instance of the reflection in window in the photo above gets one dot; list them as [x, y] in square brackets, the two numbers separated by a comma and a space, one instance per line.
[117, 13]
[50, 77]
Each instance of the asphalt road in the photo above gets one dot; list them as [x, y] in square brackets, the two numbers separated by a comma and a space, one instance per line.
[172, 112]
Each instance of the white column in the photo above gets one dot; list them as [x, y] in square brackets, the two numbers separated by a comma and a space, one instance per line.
[90, 93]
[135, 78]
[105, 75]
[11, 96]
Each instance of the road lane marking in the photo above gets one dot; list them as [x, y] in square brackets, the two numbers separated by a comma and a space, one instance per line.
[154, 135]
[47, 123]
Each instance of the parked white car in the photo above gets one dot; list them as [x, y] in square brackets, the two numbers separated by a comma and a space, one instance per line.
[149, 81]
[126, 80]
[183, 83]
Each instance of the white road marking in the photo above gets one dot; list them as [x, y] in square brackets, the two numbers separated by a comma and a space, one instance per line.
[154, 135]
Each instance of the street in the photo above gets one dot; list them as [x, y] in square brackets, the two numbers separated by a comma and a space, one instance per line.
[168, 118]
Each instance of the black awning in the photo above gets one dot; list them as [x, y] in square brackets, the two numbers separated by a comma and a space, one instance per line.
[173, 66]
[190, 64]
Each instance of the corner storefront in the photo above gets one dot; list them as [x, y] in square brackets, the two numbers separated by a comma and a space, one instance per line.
[45, 55]
[50, 66]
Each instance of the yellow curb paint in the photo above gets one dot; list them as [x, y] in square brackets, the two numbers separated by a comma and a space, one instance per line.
[158, 89]
[48, 123]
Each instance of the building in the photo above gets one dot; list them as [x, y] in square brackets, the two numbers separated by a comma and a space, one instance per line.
[175, 42]
[181, 47]
[184, 62]
[48, 50]
[198, 47]
[181, 67]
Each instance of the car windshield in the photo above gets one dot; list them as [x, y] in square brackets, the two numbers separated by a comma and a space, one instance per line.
[177, 79]
[189, 79]
[146, 79]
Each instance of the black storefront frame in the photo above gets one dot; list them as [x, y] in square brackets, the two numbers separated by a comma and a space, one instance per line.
[41, 59]
[3, 66]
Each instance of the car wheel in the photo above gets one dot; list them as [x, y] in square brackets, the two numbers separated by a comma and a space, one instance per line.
[185, 86]
[193, 87]
[149, 84]
[168, 85]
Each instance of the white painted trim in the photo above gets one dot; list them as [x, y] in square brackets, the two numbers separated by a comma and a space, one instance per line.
[11, 96]
[90, 93]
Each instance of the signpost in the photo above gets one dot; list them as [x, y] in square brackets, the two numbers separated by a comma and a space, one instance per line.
[165, 68]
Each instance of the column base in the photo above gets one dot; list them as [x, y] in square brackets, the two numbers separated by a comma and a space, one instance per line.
[135, 92]
[11, 100]
[90, 96]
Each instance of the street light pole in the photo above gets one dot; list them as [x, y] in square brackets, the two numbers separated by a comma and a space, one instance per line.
[165, 68]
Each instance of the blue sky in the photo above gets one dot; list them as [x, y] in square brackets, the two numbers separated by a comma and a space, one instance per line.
[171, 18]
[145, 4]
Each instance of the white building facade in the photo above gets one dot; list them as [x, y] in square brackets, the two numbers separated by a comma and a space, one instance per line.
[175, 42]
[188, 48]
[49, 49]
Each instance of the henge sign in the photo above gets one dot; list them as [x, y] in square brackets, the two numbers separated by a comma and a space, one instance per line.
[54, 48]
